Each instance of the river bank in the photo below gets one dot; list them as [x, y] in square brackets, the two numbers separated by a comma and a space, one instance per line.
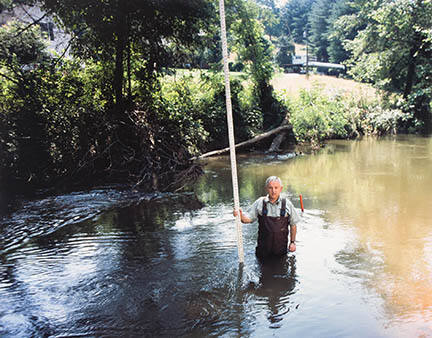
[151, 145]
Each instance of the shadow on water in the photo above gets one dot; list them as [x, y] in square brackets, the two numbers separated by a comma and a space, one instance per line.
[154, 267]
[262, 289]
[277, 282]
[76, 264]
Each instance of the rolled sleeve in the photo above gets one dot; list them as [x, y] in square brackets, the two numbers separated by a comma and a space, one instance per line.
[253, 211]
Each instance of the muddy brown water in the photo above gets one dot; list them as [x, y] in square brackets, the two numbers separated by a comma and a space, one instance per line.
[115, 263]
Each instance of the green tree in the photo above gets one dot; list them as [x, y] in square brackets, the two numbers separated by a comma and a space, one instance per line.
[294, 18]
[269, 15]
[342, 28]
[68, 119]
[394, 51]
[255, 51]
[119, 32]
[319, 28]
[50, 112]
[22, 58]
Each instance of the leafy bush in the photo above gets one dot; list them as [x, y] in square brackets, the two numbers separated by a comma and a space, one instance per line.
[51, 122]
[316, 117]
[51, 111]
[202, 99]
[378, 120]
[179, 113]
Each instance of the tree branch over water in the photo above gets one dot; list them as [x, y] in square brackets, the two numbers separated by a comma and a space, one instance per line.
[254, 140]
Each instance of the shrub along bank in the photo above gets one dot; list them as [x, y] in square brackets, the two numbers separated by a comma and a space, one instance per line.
[59, 128]
[316, 116]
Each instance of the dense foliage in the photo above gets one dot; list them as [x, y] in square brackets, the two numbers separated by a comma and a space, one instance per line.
[394, 51]
[294, 18]
[120, 32]
[99, 116]
[383, 42]
[316, 116]
[203, 97]
[255, 51]
[120, 109]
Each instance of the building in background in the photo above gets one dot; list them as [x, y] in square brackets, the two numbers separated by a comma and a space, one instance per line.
[56, 38]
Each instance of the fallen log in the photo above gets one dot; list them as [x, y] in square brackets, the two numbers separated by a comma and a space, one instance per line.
[256, 139]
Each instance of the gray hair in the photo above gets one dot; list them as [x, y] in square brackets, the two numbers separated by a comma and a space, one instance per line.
[273, 179]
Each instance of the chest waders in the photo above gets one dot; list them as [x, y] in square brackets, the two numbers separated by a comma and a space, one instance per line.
[273, 232]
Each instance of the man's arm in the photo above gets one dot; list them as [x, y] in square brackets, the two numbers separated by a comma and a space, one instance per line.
[243, 217]
[293, 233]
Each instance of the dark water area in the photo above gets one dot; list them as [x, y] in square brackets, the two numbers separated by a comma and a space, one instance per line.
[119, 263]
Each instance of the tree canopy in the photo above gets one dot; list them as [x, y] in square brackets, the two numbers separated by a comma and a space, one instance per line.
[114, 109]
[114, 31]
[393, 50]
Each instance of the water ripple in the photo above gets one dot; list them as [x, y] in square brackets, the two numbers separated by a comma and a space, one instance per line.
[39, 218]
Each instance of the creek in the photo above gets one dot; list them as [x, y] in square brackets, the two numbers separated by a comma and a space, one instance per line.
[112, 262]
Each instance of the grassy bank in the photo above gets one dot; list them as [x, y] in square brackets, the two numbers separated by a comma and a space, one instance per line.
[325, 107]
[291, 85]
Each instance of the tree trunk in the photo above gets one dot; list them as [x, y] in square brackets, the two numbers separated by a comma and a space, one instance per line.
[118, 74]
[129, 92]
[410, 71]
[119, 58]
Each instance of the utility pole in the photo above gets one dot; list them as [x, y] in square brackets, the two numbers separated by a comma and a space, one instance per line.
[307, 52]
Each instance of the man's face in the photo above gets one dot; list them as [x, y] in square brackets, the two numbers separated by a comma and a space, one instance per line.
[274, 189]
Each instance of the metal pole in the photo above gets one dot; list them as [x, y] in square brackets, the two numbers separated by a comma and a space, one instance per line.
[231, 131]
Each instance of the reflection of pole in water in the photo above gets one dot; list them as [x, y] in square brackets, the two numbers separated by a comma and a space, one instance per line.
[240, 311]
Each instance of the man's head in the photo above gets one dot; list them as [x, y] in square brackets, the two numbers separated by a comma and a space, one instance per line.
[274, 187]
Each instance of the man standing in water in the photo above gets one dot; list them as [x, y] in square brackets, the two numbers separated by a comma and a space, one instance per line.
[277, 218]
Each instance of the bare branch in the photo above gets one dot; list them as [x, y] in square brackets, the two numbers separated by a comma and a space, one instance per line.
[35, 22]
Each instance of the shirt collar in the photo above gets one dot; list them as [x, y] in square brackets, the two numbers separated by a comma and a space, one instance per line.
[267, 200]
